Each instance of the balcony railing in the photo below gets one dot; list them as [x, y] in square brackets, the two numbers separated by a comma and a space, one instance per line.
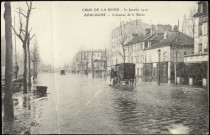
[194, 58]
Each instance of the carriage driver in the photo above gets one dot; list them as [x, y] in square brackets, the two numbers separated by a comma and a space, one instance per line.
[113, 75]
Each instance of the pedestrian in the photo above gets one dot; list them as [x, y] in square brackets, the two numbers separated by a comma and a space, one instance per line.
[111, 75]
[16, 69]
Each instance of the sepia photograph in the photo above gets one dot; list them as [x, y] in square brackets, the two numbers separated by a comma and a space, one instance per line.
[105, 67]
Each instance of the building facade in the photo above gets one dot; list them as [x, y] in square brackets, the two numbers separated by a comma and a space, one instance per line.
[198, 61]
[86, 62]
[143, 52]
[122, 35]
[200, 35]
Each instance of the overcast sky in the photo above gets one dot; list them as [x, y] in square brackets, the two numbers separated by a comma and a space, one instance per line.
[62, 30]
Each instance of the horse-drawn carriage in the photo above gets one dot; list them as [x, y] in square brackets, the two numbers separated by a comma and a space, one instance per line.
[63, 72]
[124, 74]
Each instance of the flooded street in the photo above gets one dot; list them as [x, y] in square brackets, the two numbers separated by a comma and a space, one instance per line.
[78, 104]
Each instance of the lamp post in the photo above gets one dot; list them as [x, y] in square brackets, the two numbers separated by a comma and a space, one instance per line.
[159, 52]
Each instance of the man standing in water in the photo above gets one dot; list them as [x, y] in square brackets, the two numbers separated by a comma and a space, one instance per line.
[16, 69]
[112, 75]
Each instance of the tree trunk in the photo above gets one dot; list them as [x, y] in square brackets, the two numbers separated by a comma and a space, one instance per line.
[123, 55]
[29, 64]
[25, 70]
[8, 102]
[175, 79]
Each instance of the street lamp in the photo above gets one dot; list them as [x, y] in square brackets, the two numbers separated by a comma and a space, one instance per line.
[159, 52]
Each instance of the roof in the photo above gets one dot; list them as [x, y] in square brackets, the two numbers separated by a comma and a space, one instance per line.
[200, 2]
[148, 37]
[183, 38]
[200, 14]
[153, 38]
[135, 40]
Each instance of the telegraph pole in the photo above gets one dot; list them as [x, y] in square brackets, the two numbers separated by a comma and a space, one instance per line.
[176, 49]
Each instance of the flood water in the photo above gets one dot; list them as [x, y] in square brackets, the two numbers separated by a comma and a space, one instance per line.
[78, 104]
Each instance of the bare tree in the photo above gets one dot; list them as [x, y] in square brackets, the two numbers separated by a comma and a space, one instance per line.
[122, 40]
[192, 19]
[108, 56]
[29, 58]
[87, 62]
[81, 61]
[176, 44]
[8, 102]
[188, 24]
[92, 61]
[23, 35]
[35, 58]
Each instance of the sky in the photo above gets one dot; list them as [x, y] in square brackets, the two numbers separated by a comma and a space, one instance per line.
[62, 30]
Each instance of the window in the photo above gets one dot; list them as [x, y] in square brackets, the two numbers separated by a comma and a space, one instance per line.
[205, 8]
[146, 44]
[131, 59]
[201, 8]
[205, 29]
[141, 59]
[154, 71]
[165, 56]
[199, 48]
[205, 50]
[141, 71]
[136, 59]
[185, 53]
[199, 30]
[149, 44]
[137, 71]
[200, 26]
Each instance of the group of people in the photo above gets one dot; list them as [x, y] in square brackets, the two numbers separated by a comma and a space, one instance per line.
[116, 78]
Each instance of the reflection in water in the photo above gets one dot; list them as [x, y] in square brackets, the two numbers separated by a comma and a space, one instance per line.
[26, 102]
[127, 113]
[147, 109]
[179, 129]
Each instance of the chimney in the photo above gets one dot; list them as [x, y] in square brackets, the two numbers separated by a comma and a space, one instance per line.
[148, 31]
[165, 35]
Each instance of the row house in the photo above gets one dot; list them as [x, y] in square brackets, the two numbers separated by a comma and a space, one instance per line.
[143, 51]
[160, 56]
[129, 30]
[135, 53]
[123, 34]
